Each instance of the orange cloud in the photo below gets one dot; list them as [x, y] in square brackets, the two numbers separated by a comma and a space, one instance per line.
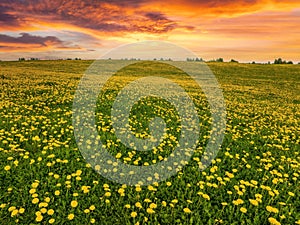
[227, 27]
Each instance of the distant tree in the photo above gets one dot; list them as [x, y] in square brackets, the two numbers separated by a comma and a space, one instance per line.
[253, 62]
[278, 61]
[21, 59]
[234, 61]
[220, 60]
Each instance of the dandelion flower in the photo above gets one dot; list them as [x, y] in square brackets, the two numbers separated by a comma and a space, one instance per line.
[71, 216]
[39, 218]
[272, 209]
[138, 205]
[273, 221]
[150, 211]
[21, 210]
[253, 202]
[50, 212]
[74, 203]
[133, 214]
[243, 209]
[7, 168]
[35, 201]
[153, 206]
[187, 210]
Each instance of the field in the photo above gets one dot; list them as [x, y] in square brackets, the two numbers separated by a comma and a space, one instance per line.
[253, 180]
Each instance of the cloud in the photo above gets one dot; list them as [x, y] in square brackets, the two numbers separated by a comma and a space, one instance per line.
[7, 19]
[34, 43]
[101, 16]
[26, 38]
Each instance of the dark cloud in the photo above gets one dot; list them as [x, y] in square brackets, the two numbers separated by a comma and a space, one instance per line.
[156, 16]
[103, 16]
[26, 38]
[7, 19]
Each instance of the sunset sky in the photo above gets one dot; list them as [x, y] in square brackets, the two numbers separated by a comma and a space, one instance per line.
[245, 30]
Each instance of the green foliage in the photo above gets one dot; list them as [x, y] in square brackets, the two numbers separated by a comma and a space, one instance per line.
[253, 180]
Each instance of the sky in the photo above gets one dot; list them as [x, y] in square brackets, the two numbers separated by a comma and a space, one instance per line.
[245, 30]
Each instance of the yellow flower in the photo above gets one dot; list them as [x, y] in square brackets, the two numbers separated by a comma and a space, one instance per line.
[205, 196]
[51, 221]
[86, 211]
[187, 210]
[7, 168]
[230, 175]
[138, 205]
[35, 201]
[92, 220]
[138, 188]
[150, 211]
[272, 209]
[127, 206]
[273, 221]
[14, 212]
[153, 206]
[11, 208]
[35, 185]
[107, 194]
[43, 204]
[57, 192]
[291, 194]
[39, 218]
[133, 214]
[253, 202]
[238, 201]
[74, 203]
[164, 203]
[71, 216]
[243, 210]
[21, 210]
[174, 201]
[169, 184]
[92, 207]
[50, 212]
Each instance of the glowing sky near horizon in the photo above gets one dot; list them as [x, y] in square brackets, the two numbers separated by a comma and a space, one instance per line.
[246, 30]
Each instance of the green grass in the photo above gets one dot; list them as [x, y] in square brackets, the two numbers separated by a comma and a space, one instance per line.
[257, 163]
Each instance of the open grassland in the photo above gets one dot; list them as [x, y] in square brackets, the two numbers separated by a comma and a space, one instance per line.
[253, 180]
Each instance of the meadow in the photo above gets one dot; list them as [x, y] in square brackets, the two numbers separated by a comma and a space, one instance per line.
[253, 180]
